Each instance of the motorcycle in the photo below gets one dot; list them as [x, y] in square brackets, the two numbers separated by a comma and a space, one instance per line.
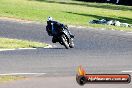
[63, 37]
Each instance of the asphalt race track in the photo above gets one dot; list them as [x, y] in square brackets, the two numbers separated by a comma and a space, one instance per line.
[98, 51]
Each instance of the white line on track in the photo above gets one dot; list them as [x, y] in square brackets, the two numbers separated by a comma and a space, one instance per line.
[26, 48]
[16, 74]
[102, 29]
[129, 71]
[6, 49]
[17, 49]
[129, 32]
[121, 30]
[72, 26]
[49, 46]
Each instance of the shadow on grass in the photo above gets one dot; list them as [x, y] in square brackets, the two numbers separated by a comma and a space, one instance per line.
[95, 5]
[121, 19]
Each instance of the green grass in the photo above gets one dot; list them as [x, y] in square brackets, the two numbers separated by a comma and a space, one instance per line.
[66, 11]
[9, 78]
[6, 43]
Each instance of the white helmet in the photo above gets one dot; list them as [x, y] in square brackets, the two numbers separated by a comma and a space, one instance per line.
[50, 19]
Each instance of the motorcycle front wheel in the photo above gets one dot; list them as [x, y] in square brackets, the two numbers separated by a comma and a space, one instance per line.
[65, 41]
[71, 45]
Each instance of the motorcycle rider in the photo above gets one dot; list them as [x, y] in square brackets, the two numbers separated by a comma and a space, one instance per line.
[53, 26]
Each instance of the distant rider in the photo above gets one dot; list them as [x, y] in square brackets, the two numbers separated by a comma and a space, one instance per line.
[53, 26]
